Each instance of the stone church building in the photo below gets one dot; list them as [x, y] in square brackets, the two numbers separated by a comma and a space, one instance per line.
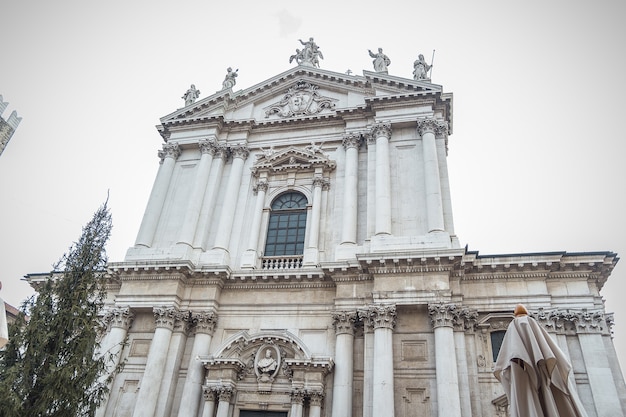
[297, 258]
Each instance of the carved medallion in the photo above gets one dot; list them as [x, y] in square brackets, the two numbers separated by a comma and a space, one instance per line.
[300, 100]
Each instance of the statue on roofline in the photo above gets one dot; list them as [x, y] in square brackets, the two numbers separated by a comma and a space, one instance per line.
[421, 68]
[309, 56]
[191, 95]
[381, 61]
[229, 79]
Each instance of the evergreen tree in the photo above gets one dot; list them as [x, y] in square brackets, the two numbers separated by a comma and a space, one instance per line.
[51, 366]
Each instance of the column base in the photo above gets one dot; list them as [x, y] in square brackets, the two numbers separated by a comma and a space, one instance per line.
[346, 251]
[310, 257]
[249, 259]
[215, 256]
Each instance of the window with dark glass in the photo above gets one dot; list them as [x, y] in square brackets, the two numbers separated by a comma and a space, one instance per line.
[287, 225]
[496, 342]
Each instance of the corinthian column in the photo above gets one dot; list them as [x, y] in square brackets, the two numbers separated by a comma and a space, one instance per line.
[210, 195]
[351, 143]
[382, 133]
[205, 326]
[448, 398]
[209, 402]
[225, 393]
[250, 256]
[427, 129]
[155, 365]
[368, 362]
[315, 402]
[343, 322]
[384, 319]
[168, 155]
[297, 401]
[188, 230]
[222, 240]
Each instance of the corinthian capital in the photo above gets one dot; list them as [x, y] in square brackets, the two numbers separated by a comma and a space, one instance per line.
[120, 317]
[240, 151]
[261, 185]
[382, 316]
[438, 128]
[224, 393]
[381, 129]
[343, 321]
[442, 315]
[351, 140]
[204, 322]
[170, 150]
[165, 316]
[207, 146]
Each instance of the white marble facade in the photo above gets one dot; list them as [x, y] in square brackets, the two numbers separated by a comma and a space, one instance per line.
[379, 312]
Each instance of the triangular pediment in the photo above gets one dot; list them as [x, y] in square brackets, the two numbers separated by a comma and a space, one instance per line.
[301, 92]
[293, 158]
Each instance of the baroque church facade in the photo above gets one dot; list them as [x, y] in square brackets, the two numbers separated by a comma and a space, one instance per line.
[297, 258]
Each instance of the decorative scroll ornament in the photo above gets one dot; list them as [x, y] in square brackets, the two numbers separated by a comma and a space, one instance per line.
[301, 100]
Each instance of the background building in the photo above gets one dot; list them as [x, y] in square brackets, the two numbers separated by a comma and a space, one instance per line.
[297, 257]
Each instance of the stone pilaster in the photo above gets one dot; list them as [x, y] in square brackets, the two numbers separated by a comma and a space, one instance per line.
[225, 394]
[209, 402]
[297, 402]
[368, 362]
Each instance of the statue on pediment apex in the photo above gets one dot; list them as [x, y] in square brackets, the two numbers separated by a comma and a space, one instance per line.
[381, 61]
[229, 79]
[309, 56]
[421, 68]
[191, 95]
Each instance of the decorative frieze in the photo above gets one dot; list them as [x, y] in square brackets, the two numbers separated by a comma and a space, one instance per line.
[170, 150]
[343, 322]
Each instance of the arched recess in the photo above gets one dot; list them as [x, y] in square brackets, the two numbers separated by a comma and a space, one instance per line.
[267, 370]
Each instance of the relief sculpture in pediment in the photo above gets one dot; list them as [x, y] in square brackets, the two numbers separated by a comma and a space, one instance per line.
[302, 99]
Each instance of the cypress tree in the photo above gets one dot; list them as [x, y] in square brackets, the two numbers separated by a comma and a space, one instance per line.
[51, 366]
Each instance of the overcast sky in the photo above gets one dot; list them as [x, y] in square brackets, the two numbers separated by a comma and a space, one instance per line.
[537, 155]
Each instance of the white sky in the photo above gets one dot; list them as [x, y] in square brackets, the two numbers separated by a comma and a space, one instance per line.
[536, 158]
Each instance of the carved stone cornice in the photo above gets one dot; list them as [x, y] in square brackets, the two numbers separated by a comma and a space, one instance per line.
[207, 146]
[344, 321]
[165, 317]
[351, 140]
[120, 317]
[381, 130]
[170, 150]
[438, 128]
[204, 322]
[382, 316]
[442, 315]
[240, 151]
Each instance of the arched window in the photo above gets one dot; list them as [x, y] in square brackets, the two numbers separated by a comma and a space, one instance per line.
[287, 225]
